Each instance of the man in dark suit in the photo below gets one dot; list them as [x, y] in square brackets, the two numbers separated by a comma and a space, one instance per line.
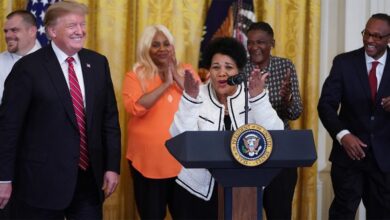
[359, 83]
[59, 130]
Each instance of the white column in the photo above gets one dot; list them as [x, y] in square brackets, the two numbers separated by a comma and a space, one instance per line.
[332, 40]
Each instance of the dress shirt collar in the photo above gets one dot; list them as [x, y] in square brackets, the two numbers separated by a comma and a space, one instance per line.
[61, 56]
[15, 56]
[36, 46]
[381, 60]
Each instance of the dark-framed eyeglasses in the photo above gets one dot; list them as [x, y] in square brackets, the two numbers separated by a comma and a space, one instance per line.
[375, 37]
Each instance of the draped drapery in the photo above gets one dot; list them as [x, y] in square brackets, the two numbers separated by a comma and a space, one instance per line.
[113, 28]
[297, 34]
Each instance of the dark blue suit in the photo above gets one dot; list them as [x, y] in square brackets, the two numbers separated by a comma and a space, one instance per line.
[39, 135]
[347, 87]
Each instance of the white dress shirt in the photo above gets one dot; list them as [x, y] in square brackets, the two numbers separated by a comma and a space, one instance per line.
[379, 74]
[61, 56]
[7, 61]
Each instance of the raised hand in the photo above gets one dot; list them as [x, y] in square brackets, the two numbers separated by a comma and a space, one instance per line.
[285, 89]
[172, 67]
[257, 82]
[191, 85]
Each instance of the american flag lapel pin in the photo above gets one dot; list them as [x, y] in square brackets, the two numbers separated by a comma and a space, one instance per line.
[88, 65]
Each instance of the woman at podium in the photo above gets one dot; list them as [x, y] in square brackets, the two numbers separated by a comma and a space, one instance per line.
[219, 105]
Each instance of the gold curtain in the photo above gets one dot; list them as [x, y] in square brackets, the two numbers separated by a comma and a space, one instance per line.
[296, 25]
[114, 27]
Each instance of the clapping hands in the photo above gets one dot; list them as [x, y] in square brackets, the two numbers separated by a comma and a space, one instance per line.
[257, 82]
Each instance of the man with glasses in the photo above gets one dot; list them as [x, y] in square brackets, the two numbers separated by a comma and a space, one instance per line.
[359, 83]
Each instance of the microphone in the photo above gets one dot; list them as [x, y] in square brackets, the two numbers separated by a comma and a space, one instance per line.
[236, 79]
[240, 77]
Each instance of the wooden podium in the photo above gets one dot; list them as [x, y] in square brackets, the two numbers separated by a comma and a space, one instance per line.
[211, 150]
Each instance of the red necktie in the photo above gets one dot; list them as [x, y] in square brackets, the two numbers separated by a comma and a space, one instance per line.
[373, 80]
[78, 107]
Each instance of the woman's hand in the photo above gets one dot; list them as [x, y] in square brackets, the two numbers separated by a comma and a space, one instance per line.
[167, 78]
[172, 67]
[257, 82]
[191, 85]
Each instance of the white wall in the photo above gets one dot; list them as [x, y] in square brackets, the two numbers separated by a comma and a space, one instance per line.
[341, 24]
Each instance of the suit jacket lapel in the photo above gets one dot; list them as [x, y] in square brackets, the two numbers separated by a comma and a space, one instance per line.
[87, 69]
[362, 73]
[57, 77]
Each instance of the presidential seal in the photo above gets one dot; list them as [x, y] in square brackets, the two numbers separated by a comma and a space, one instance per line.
[251, 145]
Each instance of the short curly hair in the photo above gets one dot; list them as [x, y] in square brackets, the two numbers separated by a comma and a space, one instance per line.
[262, 26]
[227, 46]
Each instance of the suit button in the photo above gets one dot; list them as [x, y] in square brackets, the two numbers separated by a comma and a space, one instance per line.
[372, 118]
[372, 135]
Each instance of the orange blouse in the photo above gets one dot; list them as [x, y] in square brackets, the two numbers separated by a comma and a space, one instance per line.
[148, 129]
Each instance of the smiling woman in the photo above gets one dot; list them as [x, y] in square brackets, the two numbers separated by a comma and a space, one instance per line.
[151, 93]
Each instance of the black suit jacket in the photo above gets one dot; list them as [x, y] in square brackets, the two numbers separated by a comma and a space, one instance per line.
[347, 87]
[39, 137]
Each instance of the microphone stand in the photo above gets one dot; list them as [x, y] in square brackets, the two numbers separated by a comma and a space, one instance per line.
[246, 90]
[236, 80]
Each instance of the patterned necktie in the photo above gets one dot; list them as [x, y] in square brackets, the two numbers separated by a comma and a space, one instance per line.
[373, 81]
[78, 107]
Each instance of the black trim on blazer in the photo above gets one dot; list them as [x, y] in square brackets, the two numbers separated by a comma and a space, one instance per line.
[258, 98]
[191, 100]
[243, 112]
[231, 104]
[208, 192]
[206, 119]
[220, 108]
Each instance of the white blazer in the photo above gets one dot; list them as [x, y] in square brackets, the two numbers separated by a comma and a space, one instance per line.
[205, 113]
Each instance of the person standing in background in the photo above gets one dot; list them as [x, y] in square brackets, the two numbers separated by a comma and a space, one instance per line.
[20, 30]
[285, 98]
[59, 129]
[354, 107]
[151, 94]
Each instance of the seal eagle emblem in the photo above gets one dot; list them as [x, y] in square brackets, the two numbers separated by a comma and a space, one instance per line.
[251, 145]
